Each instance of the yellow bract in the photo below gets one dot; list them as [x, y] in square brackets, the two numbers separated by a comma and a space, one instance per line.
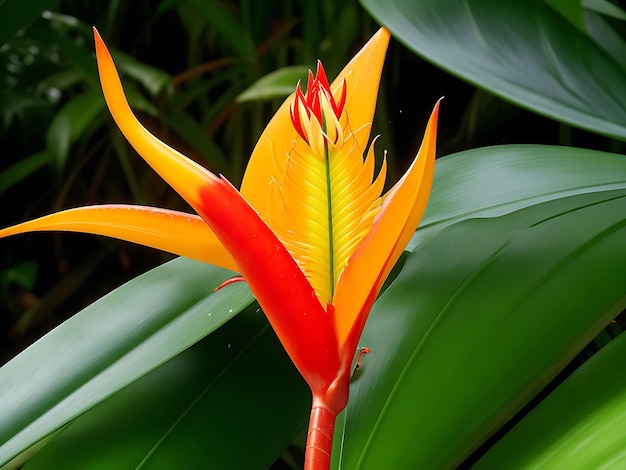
[362, 76]
[325, 201]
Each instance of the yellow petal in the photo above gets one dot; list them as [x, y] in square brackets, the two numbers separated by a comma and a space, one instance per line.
[368, 267]
[362, 75]
[176, 232]
[181, 173]
[324, 206]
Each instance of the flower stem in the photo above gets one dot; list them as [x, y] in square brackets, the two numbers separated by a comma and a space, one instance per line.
[319, 441]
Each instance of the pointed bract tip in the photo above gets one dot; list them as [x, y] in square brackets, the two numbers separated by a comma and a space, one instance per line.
[435, 112]
[100, 46]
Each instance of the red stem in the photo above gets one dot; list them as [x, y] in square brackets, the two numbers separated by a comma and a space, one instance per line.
[319, 442]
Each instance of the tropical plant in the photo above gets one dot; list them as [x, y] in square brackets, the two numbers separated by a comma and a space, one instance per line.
[518, 266]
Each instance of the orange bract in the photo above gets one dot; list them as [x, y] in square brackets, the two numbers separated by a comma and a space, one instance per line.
[325, 200]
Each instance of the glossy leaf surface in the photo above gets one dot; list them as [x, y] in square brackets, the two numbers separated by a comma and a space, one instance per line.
[579, 426]
[524, 52]
[478, 321]
[494, 181]
[110, 344]
[234, 390]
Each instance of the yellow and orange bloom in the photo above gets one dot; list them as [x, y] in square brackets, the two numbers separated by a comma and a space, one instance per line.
[309, 231]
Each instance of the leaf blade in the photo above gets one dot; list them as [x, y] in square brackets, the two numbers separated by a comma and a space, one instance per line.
[498, 180]
[492, 318]
[523, 52]
[109, 345]
[580, 425]
[235, 389]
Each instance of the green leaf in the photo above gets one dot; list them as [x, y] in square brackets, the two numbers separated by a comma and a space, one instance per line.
[277, 84]
[478, 321]
[22, 169]
[15, 105]
[137, 101]
[67, 22]
[109, 345]
[71, 122]
[494, 181]
[197, 137]
[579, 426]
[605, 7]
[153, 79]
[572, 11]
[61, 81]
[603, 33]
[222, 20]
[522, 51]
[233, 400]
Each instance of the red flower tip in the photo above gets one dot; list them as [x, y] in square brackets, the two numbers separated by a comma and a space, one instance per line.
[318, 89]
[294, 110]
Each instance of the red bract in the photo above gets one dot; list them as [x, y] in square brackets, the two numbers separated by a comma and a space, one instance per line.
[318, 91]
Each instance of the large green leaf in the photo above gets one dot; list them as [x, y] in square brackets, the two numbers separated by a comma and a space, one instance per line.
[494, 181]
[522, 51]
[571, 10]
[605, 7]
[234, 390]
[108, 345]
[579, 426]
[479, 320]
[602, 31]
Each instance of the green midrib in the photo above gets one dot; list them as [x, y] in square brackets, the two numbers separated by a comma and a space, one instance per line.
[331, 240]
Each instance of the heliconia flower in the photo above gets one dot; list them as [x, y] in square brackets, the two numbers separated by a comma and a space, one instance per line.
[309, 230]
